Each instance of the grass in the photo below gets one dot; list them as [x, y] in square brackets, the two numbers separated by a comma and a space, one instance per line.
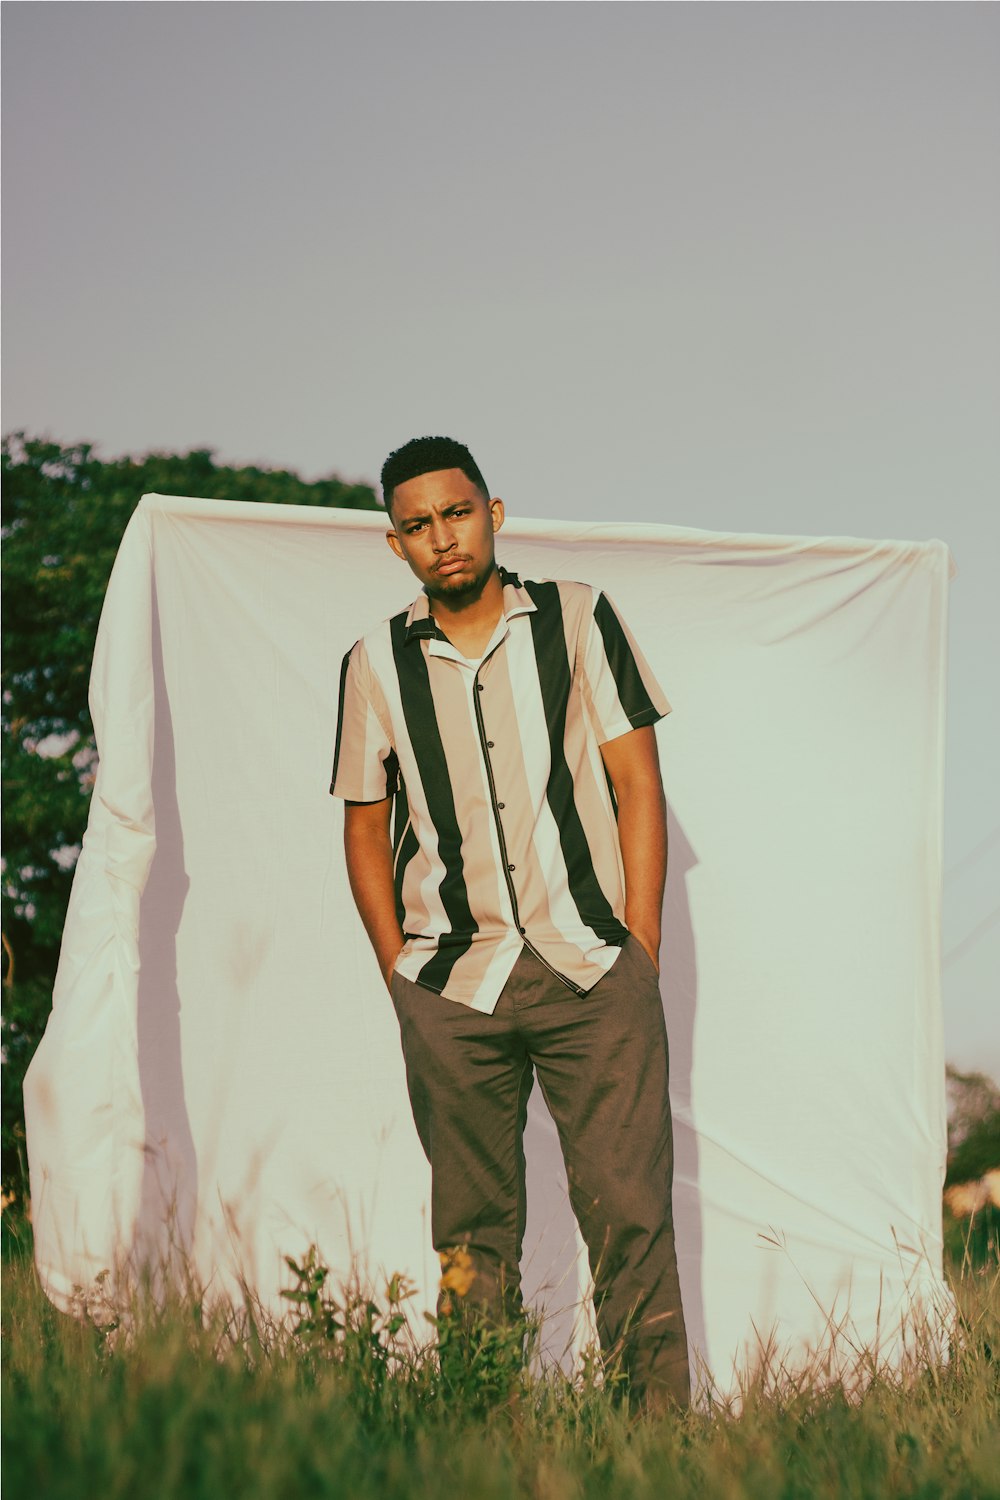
[226, 1404]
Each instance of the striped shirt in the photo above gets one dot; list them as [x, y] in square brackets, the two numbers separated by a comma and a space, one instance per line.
[504, 828]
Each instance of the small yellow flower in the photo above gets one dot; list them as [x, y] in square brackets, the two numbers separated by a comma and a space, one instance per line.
[457, 1271]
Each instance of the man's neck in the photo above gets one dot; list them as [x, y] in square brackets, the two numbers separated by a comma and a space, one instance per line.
[469, 623]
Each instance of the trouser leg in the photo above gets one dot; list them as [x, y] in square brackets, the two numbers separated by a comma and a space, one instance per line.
[602, 1066]
[469, 1077]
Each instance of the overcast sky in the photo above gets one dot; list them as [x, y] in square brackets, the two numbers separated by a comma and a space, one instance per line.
[720, 265]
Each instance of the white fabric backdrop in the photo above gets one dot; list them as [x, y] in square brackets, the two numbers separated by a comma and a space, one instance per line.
[221, 1071]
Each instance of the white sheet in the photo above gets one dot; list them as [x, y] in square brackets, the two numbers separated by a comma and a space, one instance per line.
[221, 1071]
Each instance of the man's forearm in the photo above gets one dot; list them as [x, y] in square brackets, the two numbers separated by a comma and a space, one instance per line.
[642, 834]
[368, 853]
[633, 765]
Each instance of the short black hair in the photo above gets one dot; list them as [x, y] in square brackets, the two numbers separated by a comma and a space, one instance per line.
[424, 455]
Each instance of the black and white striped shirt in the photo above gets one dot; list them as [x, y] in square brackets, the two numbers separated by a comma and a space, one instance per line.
[504, 828]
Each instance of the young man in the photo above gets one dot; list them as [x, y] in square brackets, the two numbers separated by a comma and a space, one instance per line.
[515, 906]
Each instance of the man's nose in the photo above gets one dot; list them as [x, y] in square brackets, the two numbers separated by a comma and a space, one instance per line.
[442, 537]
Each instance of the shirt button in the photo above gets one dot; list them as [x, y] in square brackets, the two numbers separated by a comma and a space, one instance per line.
[521, 930]
[501, 806]
[512, 868]
[489, 744]
[479, 686]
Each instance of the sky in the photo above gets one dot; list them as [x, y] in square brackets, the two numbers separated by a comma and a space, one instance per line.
[733, 266]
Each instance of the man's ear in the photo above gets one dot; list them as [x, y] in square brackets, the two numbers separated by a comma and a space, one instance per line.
[497, 513]
[394, 543]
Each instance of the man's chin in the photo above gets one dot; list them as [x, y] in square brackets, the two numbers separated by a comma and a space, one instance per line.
[453, 589]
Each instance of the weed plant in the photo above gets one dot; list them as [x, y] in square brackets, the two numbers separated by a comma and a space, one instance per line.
[208, 1403]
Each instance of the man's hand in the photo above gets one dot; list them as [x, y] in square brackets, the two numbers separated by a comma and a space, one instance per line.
[368, 852]
[654, 953]
[634, 768]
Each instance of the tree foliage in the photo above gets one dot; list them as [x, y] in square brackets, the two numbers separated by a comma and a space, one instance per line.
[64, 513]
[973, 1126]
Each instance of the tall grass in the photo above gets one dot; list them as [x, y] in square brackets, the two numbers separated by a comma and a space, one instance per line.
[191, 1402]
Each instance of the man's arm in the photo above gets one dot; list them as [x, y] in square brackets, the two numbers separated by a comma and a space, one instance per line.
[634, 768]
[368, 852]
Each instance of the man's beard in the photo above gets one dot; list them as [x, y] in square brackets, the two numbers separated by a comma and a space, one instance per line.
[457, 589]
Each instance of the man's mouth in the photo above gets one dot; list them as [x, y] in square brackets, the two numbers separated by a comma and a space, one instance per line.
[451, 564]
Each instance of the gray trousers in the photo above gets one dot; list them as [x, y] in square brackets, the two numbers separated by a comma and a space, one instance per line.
[601, 1061]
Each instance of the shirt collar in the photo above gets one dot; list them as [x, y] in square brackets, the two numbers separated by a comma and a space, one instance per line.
[421, 625]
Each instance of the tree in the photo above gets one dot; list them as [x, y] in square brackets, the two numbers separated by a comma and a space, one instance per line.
[64, 513]
[973, 1126]
[972, 1215]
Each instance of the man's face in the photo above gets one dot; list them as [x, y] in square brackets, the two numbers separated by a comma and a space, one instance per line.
[444, 527]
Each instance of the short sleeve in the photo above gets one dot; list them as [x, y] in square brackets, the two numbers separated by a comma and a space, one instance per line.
[365, 767]
[622, 690]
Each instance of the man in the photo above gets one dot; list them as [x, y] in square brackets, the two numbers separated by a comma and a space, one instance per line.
[515, 907]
